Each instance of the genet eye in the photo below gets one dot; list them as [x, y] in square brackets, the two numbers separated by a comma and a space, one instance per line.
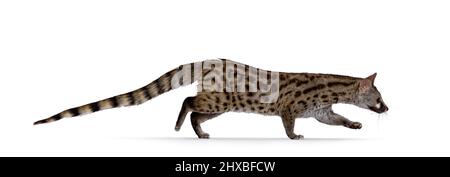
[379, 100]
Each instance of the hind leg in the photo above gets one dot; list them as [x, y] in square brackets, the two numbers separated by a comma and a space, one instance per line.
[198, 118]
[187, 107]
[203, 108]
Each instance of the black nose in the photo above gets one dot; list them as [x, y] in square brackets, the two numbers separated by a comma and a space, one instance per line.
[383, 108]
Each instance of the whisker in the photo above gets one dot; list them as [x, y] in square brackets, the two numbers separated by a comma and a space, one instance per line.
[381, 118]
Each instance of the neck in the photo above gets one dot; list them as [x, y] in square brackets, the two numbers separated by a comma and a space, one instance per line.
[343, 89]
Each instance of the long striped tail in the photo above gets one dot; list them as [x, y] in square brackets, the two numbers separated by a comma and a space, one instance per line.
[136, 97]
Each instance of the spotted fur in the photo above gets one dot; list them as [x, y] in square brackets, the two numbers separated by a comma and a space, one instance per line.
[300, 95]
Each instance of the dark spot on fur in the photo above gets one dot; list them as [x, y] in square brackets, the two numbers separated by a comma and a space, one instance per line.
[249, 102]
[298, 93]
[261, 107]
[240, 97]
[332, 84]
[288, 92]
[334, 94]
[292, 81]
[314, 88]
[302, 102]
[324, 96]
[299, 83]
[308, 98]
[335, 99]
[316, 95]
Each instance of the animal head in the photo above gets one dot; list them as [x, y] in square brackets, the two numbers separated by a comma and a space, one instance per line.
[368, 96]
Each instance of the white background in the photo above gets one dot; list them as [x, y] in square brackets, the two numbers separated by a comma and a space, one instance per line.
[56, 55]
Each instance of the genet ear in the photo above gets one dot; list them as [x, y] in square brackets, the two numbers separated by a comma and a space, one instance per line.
[372, 77]
[367, 83]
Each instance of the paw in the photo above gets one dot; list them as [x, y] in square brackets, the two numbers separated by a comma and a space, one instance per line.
[354, 125]
[203, 136]
[296, 137]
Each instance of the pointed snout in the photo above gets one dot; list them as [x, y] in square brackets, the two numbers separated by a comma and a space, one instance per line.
[379, 108]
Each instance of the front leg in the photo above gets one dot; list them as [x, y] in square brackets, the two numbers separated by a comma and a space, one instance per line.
[327, 116]
[289, 124]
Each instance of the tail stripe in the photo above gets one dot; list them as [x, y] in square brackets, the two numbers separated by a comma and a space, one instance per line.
[159, 87]
[145, 93]
[57, 117]
[148, 93]
[74, 112]
[131, 98]
[94, 107]
[114, 102]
